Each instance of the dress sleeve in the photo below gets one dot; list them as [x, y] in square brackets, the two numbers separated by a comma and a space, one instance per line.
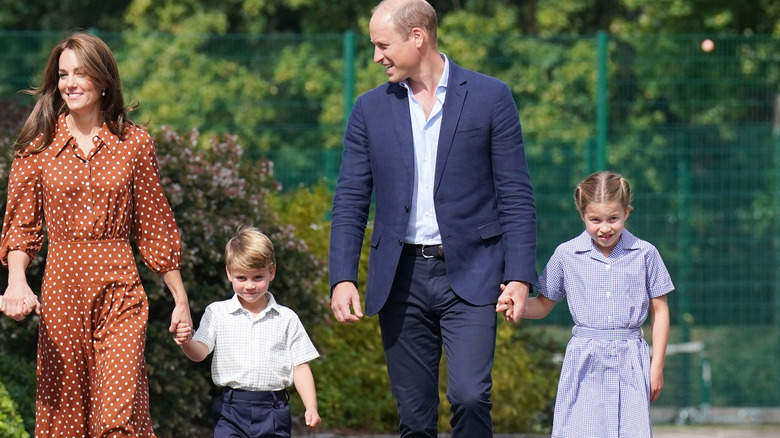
[552, 282]
[154, 227]
[22, 227]
[658, 280]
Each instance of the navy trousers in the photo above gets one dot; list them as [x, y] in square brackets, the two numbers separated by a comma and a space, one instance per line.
[252, 414]
[422, 316]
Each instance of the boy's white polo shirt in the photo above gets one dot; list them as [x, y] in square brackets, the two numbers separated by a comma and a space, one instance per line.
[254, 353]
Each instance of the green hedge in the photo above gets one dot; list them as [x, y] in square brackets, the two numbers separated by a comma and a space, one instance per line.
[17, 397]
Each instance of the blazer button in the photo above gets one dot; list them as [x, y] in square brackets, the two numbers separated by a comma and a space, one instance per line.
[406, 208]
[400, 242]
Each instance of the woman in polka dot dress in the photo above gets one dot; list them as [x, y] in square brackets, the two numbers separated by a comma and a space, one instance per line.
[92, 175]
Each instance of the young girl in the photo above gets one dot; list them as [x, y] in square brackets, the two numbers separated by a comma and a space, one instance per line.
[611, 279]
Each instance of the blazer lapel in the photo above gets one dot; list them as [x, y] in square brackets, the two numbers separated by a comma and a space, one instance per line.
[399, 113]
[451, 112]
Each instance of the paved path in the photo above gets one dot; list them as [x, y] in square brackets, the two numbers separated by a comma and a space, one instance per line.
[658, 432]
[716, 432]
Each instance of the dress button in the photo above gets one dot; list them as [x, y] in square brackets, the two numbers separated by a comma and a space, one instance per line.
[606, 267]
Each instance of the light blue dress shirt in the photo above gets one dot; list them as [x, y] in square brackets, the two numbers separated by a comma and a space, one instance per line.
[422, 227]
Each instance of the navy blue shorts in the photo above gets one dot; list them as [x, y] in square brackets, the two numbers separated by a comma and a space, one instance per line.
[252, 414]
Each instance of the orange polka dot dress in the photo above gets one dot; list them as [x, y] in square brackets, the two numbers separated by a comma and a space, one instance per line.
[91, 369]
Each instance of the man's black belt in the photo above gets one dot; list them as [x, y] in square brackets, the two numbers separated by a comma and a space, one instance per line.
[425, 251]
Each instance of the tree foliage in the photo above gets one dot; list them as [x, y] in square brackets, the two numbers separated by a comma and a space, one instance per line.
[535, 17]
[11, 424]
[272, 73]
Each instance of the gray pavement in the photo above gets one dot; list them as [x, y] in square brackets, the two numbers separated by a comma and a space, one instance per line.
[770, 431]
[663, 431]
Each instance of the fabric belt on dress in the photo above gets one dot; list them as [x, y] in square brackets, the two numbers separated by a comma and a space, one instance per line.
[425, 251]
[231, 394]
[606, 334]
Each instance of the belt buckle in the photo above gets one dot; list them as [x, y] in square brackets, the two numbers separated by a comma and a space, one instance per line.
[426, 256]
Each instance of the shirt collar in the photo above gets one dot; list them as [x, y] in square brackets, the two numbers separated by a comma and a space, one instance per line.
[234, 306]
[627, 242]
[443, 81]
[105, 136]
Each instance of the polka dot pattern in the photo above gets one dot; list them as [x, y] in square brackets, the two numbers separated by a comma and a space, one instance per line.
[91, 370]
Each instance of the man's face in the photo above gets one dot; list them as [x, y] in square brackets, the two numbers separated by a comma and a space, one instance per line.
[397, 53]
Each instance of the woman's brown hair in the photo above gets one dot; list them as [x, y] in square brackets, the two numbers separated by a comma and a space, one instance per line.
[98, 63]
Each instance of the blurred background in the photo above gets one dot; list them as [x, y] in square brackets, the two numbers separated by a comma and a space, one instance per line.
[247, 100]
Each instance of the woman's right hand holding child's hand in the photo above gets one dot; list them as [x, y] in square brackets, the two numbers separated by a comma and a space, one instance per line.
[183, 333]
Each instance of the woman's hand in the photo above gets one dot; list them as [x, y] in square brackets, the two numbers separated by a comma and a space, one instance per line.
[181, 318]
[19, 300]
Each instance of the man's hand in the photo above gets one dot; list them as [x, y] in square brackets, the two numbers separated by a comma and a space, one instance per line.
[344, 300]
[513, 300]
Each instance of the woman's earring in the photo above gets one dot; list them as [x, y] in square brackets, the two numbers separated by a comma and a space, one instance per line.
[103, 93]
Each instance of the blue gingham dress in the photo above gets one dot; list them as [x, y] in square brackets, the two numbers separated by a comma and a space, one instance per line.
[604, 389]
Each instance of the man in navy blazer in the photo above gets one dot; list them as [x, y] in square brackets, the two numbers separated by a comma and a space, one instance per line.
[440, 149]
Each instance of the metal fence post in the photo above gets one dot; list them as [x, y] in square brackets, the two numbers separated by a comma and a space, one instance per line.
[777, 264]
[331, 159]
[349, 72]
[602, 114]
[682, 284]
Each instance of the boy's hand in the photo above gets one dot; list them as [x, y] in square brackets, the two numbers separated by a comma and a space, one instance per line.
[183, 333]
[312, 419]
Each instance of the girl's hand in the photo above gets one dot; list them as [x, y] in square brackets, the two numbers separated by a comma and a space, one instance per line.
[513, 300]
[656, 382]
[506, 305]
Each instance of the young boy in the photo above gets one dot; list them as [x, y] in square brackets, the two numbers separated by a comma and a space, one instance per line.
[260, 347]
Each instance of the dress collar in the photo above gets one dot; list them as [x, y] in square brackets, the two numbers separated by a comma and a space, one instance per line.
[583, 242]
[104, 137]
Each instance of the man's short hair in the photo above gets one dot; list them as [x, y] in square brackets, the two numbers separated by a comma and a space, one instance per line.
[408, 14]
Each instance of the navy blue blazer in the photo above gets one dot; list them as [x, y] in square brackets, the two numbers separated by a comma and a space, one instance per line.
[482, 190]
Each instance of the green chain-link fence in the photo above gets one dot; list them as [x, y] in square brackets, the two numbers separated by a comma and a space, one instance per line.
[694, 131]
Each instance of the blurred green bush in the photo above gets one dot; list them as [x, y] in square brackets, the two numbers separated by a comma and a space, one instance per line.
[12, 413]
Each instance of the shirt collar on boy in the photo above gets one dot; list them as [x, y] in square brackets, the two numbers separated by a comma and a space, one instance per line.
[234, 306]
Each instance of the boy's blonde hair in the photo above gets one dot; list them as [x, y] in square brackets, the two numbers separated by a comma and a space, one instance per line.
[249, 249]
[602, 187]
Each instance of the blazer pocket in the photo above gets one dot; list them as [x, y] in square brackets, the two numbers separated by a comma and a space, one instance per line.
[489, 230]
[375, 237]
[470, 131]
